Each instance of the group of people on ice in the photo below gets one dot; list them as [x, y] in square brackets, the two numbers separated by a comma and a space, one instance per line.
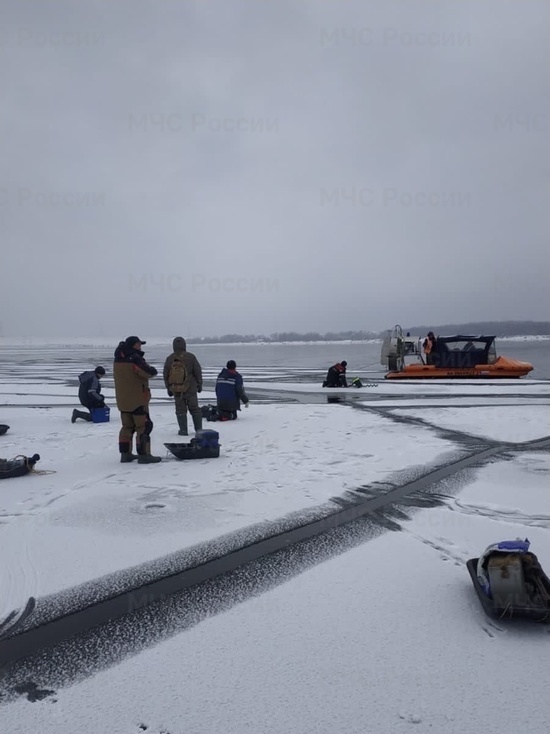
[182, 374]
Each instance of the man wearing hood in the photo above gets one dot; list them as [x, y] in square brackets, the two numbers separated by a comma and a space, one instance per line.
[230, 392]
[183, 379]
[132, 374]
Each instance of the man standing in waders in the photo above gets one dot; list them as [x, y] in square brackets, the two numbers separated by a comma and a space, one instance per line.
[183, 379]
[132, 375]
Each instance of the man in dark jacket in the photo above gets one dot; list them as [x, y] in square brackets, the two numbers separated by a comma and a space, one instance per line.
[132, 375]
[89, 393]
[230, 392]
[336, 375]
[183, 379]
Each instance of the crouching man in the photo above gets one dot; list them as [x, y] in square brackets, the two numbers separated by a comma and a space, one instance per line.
[230, 392]
[132, 374]
[336, 375]
[89, 393]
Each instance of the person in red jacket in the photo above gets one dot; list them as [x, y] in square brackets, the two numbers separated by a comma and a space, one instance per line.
[336, 375]
[429, 346]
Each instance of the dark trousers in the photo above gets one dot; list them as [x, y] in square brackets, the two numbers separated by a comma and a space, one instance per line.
[89, 404]
[335, 379]
[140, 423]
[187, 401]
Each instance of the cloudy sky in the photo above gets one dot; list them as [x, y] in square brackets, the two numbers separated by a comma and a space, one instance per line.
[228, 166]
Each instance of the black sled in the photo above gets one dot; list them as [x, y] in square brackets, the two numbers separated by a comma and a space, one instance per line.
[205, 445]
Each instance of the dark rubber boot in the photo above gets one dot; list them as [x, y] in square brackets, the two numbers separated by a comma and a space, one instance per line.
[144, 448]
[80, 414]
[182, 423]
[197, 422]
[127, 458]
[148, 459]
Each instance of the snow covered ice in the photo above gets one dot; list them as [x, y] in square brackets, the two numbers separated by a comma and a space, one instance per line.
[381, 633]
[276, 459]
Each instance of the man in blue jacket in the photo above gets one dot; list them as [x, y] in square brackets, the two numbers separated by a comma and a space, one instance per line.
[230, 392]
[89, 393]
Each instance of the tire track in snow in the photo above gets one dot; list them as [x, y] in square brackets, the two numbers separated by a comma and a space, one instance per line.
[501, 514]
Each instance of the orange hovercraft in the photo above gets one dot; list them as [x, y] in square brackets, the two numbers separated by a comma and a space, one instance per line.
[452, 357]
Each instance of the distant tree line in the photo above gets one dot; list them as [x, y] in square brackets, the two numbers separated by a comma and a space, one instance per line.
[489, 328]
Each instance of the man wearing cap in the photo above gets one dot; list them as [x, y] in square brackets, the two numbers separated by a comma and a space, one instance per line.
[89, 393]
[132, 374]
[230, 392]
[336, 375]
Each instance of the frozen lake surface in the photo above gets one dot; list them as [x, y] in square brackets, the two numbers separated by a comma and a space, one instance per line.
[371, 626]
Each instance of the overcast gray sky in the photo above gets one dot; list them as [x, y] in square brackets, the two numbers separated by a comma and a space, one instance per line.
[227, 166]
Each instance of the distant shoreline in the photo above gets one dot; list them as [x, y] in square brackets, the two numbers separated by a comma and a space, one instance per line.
[167, 342]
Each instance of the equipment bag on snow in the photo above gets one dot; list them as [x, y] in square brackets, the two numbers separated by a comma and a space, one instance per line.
[178, 378]
[18, 466]
[210, 413]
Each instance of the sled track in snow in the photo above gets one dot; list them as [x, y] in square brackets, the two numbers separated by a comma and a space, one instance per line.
[29, 640]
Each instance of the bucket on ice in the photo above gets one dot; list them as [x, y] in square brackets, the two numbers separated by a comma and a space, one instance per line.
[101, 415]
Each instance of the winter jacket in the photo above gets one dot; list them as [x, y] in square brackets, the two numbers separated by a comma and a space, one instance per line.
[191, 363]
[428, 345]
[131, 374]
[230, 390]
[89, 392]
[336, 376]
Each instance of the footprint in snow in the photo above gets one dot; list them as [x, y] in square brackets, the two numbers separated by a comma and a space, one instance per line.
[411, 718]
[446, 553]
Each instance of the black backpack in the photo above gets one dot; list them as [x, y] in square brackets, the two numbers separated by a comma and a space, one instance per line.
[210, 413]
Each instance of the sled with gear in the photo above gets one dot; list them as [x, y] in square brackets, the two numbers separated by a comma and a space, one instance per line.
[3, 429]
[510, 582]
[19, 466]
[205, 445]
